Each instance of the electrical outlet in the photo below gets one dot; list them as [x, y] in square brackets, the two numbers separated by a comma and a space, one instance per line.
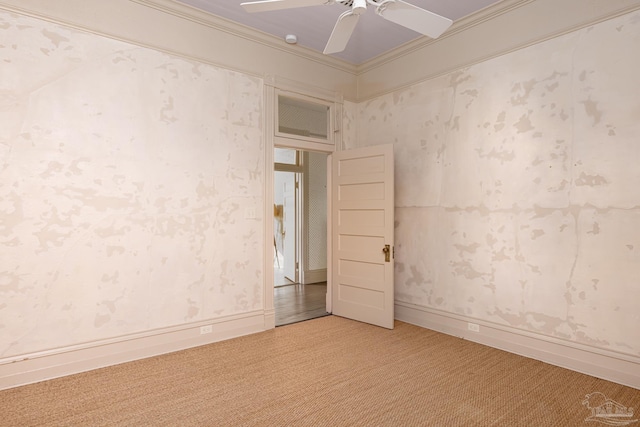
[207, 329]
[473, 327]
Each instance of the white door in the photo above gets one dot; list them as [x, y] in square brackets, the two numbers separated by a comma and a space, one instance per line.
[290, 223]
[362, 234]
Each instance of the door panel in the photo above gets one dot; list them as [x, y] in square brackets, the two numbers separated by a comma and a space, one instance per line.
[362, 217]
[362, 191]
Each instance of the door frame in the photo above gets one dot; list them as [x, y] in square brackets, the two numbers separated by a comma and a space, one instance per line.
[273, 86]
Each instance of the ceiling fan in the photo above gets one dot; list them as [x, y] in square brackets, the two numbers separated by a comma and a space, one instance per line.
[397, 11]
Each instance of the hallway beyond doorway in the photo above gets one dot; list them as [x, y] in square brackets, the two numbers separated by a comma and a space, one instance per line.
[295, 303]
[279, 278]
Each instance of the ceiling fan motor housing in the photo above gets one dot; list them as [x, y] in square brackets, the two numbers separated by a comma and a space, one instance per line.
[349, 3]
[357, 6]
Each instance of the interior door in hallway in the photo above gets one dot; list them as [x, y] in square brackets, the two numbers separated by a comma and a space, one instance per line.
[362, 235]
[291, 225]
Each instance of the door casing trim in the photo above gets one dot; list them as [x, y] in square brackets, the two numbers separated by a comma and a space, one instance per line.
[271, 86]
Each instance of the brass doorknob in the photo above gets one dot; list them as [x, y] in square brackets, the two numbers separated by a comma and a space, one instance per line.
[387, 253]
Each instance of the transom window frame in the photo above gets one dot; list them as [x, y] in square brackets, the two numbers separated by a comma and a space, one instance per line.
[283, 139]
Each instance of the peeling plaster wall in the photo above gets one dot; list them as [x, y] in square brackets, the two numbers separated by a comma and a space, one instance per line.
[517, 187]
[124, 177]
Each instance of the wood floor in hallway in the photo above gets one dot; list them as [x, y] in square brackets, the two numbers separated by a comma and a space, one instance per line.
[295, 303]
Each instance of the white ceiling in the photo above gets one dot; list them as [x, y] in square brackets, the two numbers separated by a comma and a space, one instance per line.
[313, 25]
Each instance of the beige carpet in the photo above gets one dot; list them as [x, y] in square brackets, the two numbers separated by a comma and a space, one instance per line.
[324, 372]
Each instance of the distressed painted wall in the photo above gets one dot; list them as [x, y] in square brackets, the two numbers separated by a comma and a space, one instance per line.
[517, 187]
[124, 177]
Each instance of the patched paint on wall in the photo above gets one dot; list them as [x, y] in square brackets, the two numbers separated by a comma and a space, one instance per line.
[349, 124]
[124, 177]
[517, 181]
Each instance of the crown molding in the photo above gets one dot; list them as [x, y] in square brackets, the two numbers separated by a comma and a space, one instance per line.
[201, 17]
[176, 29]
[463, 24]
[469, 41]
[406, 66]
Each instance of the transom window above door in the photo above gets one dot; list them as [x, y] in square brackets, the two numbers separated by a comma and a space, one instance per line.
[303, 118]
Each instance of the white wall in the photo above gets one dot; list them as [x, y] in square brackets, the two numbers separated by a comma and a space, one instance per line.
[130, 181]
[517, 200]
[126, 174]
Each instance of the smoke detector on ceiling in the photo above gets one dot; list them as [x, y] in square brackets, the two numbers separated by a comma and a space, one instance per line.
[291, 39]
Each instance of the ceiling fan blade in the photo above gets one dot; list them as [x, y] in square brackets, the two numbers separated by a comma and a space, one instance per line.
[342, 32]
[414, 18]
[267, 5]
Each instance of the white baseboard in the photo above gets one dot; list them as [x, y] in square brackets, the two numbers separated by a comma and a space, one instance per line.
[269, 319]
[31, 368]
[609, 365]
[36, 367]
[314, 276]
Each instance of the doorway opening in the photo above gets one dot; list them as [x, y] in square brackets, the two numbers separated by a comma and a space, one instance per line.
[303, 120]
[300, 235]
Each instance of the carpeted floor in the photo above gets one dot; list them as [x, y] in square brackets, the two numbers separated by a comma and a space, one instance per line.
[325, 372]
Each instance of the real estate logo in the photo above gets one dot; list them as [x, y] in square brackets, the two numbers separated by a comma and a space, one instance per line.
[607, 411]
